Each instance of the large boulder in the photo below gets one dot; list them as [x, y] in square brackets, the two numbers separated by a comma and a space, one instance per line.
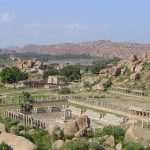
[81, 133]
[138, 134]
[58, 144]
[103, 85]
[17, 142]
[83, 121]
[110, 141]
[78, 127]
[70, 128]
[116, 71]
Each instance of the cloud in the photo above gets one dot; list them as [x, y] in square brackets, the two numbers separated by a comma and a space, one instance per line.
[7, 17]
[72, 26]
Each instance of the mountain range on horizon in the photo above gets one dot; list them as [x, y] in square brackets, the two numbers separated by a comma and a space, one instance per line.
[104, 48]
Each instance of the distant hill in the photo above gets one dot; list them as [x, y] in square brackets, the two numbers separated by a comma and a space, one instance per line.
[97, 48]
[7, 51]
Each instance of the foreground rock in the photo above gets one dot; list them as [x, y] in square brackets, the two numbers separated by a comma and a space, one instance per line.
[17, 142]
[58, 145]
[110, 141]
[118, 146]
[77, 127]
[138, 134]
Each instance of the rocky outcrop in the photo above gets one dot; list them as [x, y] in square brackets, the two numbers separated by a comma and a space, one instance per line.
[138, 134]
[70, 128]
[77, 127]
[17, 142]
[58, 145]
[83, 122]
[116, 71]
[33, 64]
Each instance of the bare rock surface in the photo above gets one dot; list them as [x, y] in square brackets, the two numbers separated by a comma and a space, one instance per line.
[17, 142]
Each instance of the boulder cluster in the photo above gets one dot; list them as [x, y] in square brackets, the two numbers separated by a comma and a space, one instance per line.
[77, 127]
[130, 69]
[29, 65]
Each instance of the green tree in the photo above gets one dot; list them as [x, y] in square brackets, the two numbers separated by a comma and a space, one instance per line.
[26, 104]
[26, 101]
[12, 75]
[50, 71]
[72, 72]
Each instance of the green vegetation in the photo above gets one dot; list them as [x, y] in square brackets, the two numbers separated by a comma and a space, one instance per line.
[72, 72]
[51, 70]
[26, 102]
[116, 131]
[128, 71]
[64, 90]
[132, 146]
[41, 138]
[99, 64]
[76, 145]
[8, 123]
[12, 75]
[4, 146]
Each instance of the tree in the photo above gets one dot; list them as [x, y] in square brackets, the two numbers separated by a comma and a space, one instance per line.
[26, 104]
[72, 72]
[50, 71]
[12, 75]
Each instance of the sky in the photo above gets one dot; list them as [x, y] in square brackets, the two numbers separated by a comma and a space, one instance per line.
[41, 22]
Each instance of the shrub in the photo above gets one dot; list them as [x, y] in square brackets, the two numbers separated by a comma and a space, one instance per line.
[116, 131]
[4, 146]
[8, 123]
[76, 145]
[64, 90]
[133, 146]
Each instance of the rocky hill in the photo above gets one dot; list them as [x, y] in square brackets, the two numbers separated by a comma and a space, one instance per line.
[132, 72]
[97, 48]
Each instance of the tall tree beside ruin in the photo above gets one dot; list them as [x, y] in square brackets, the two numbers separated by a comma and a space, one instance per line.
[26, 104]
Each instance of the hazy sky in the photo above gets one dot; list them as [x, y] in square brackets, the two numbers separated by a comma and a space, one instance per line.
[56, 21]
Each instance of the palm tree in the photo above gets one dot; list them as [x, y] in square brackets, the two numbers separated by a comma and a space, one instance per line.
[26, 104]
